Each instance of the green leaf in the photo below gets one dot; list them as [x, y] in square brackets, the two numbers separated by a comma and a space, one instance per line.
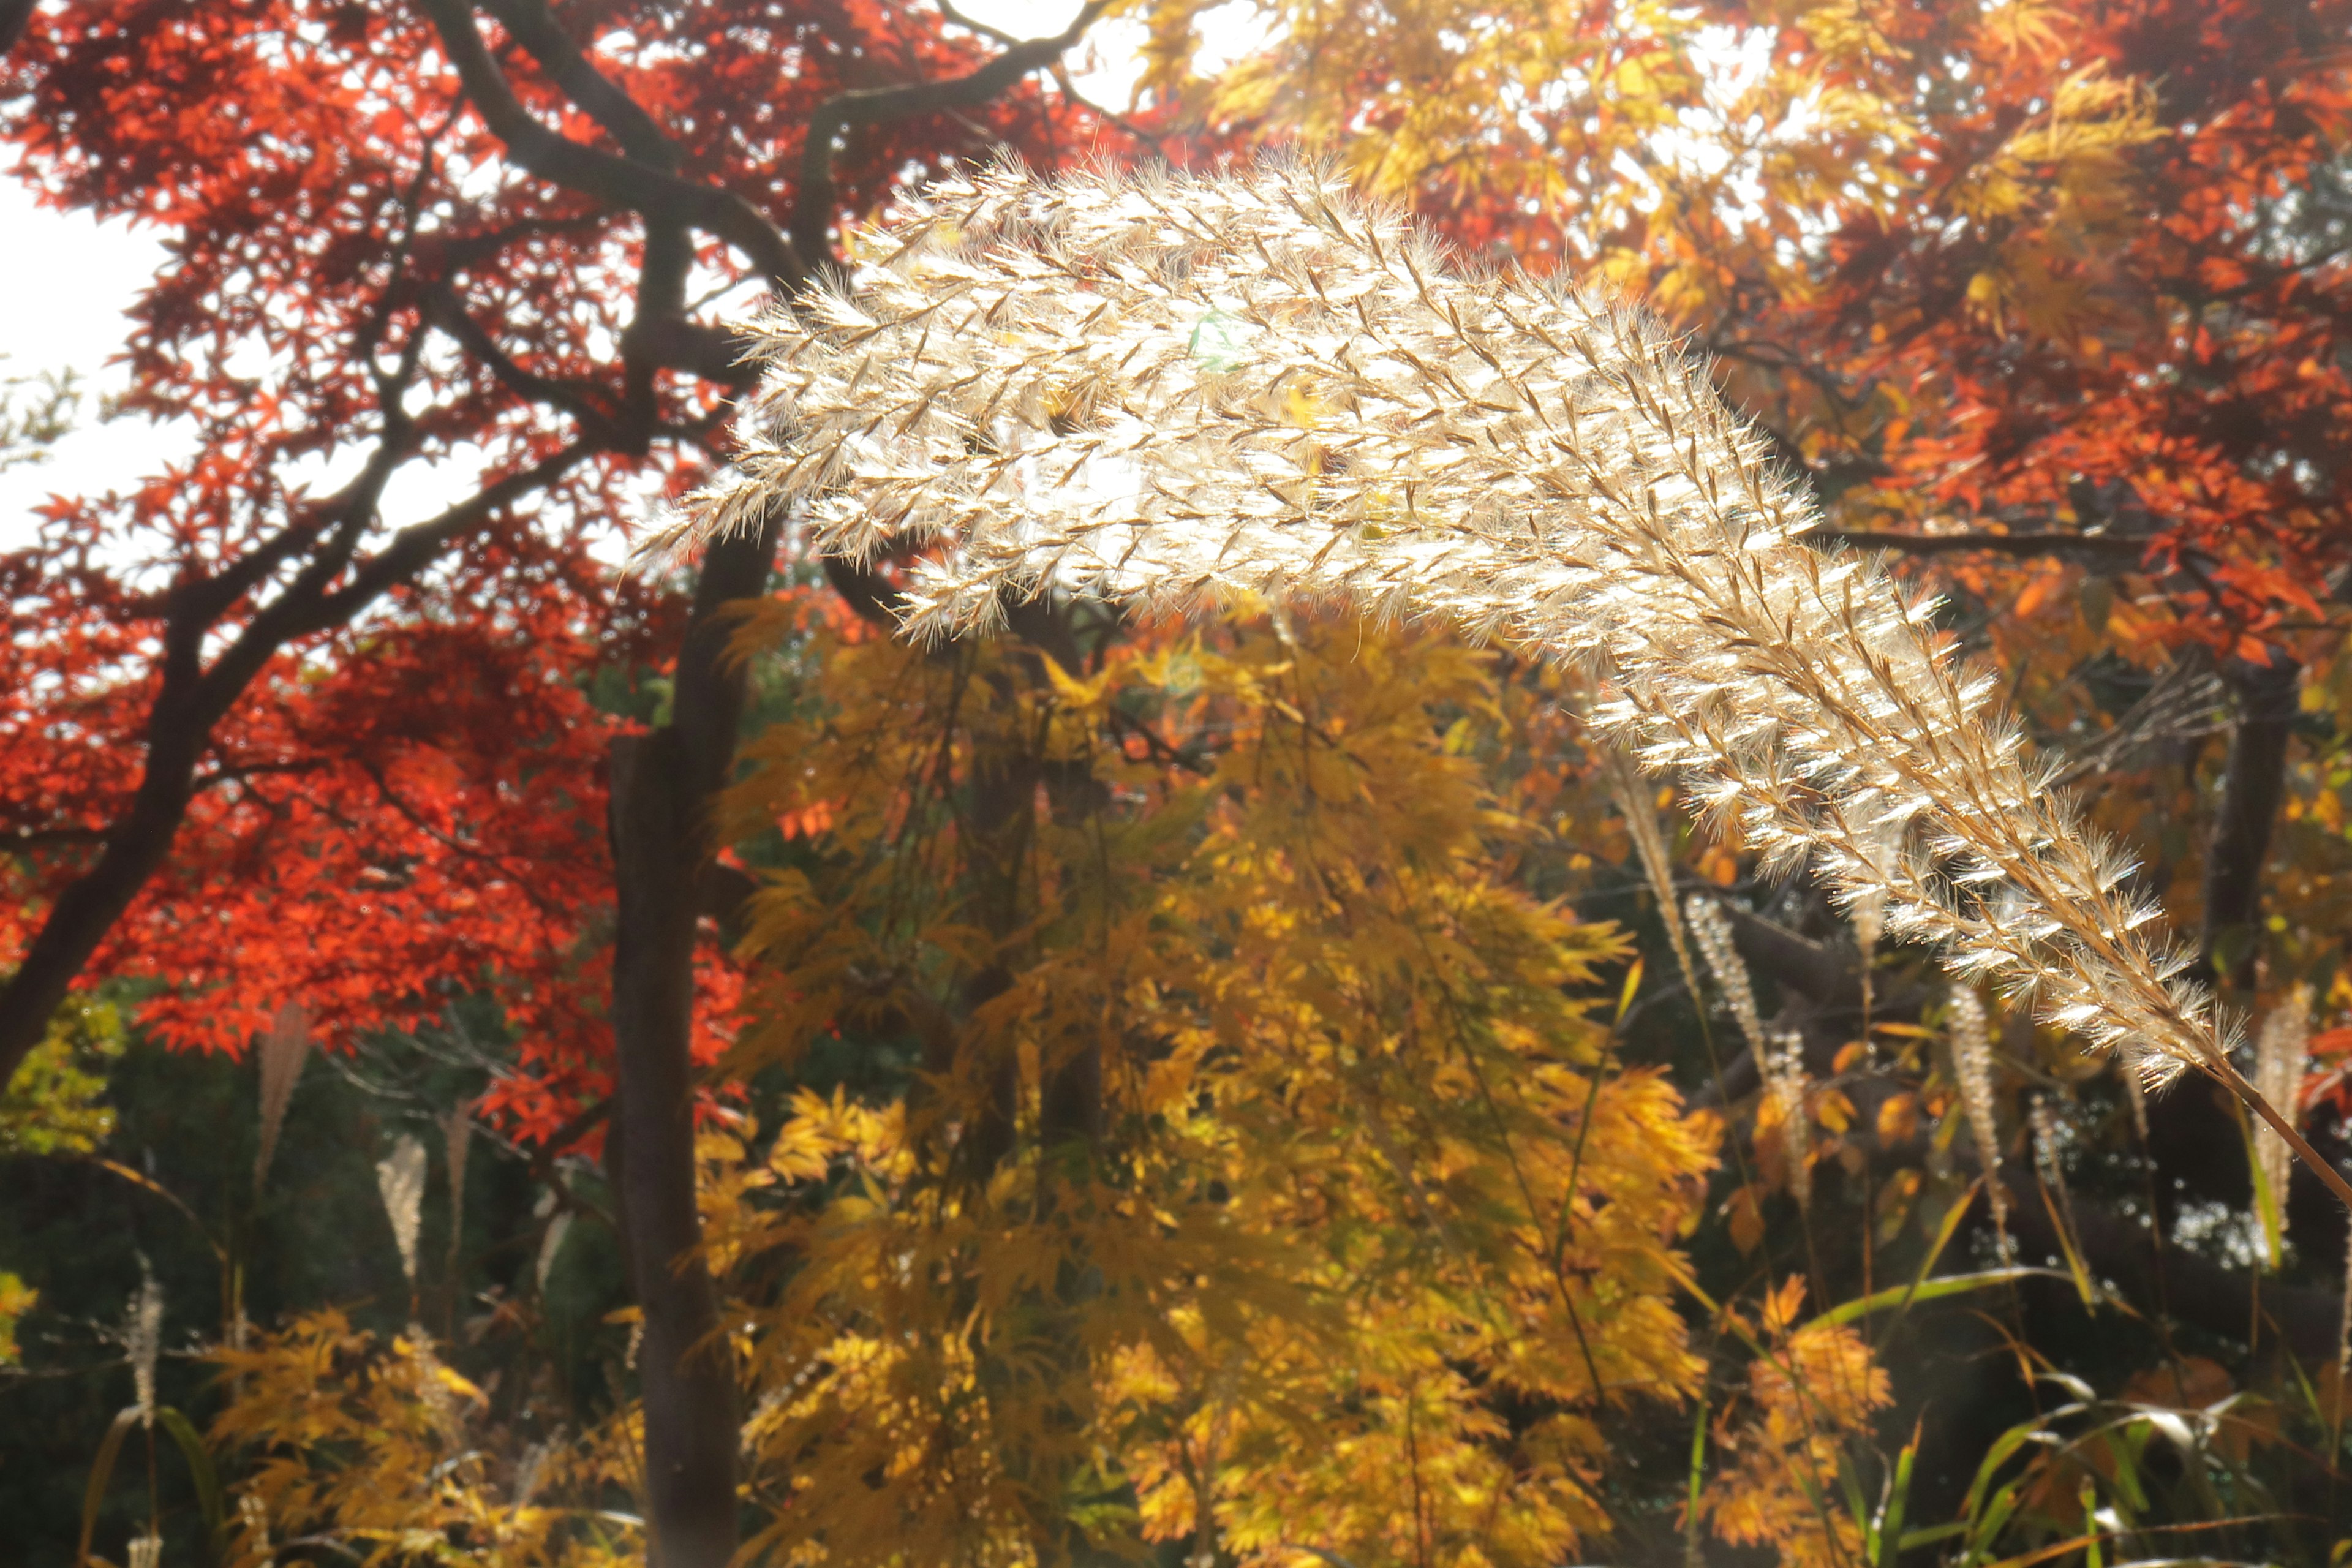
[200, 1467]
[1896, 1296]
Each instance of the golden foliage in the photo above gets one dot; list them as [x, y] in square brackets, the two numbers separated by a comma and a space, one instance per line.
[386, 1450]
[1814, 1389]
[1265, 1169]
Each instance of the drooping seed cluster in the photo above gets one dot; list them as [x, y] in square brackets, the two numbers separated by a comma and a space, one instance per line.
[1712, 933]
[1176, 390]
[142, 1343]
[1631, 793]
[2282, 1054]
[1972, 1065]
[1784, 1082]
[400, 1182]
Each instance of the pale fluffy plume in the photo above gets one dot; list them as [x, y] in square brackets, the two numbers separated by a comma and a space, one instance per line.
[281, 1049]
[1972, 1065]
[1177, 390]
[142, 1343]
[400, 1182]
[2282, 1052]
[1713, 934]
[2044, 1122]
[1784, 1082]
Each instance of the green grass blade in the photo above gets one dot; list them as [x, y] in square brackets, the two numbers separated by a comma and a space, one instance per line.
[1900, 1296]
[200, 1467]
[101, 1471]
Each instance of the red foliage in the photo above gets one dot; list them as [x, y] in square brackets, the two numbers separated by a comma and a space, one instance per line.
[2171, 372]
[372, 754]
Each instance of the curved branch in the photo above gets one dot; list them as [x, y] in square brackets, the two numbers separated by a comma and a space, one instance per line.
[661, 197]
[2098, 546]
[534, 26]
[193, 698]
[812, 213]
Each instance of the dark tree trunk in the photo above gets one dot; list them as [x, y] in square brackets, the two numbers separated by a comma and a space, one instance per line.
[2250, 790]
[664, 788]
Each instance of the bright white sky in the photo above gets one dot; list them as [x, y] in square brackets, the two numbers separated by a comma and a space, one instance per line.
[84, 275]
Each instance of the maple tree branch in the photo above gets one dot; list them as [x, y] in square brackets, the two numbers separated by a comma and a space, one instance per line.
[444, 310]
[713, 353]
[972, 25]
[2254, 783]
[191, 700]
[2021, 545]
[669, 254]
[871, 596]
[408, 550]
[534, 26]
[653, 192]
[1108, 117]
[14, 15]
[813, 211]
[456, 846]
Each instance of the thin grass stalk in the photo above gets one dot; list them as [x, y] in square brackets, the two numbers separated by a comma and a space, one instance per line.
[2043, 1119]
[1181, 390]
[1631, 793]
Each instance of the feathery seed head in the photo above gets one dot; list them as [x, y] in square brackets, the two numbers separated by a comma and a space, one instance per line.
[1972, 1065]
[1784, 1080]
[281, 1051]
[142, 1342]
[1713, 934]
[400, 1182]
[1176, 389]
[2282, 1052]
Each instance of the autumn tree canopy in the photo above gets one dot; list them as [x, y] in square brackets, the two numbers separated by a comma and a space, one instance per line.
[1268, 1088]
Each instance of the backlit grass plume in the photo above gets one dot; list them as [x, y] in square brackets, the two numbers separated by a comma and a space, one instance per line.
[1175, 389]
[1972, 1066]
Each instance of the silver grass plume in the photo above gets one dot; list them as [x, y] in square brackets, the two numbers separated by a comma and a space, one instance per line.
[2282, 1052]
[400, 1182]
[142, 1342]
[1784, 1082]
[1182, 390]
[281, 1049]
[1972, 1065]
[1631, 793]
[532, 1470]
[551, 1242]
[2044, 1122]
[2136, 1096]
[1713, 934]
